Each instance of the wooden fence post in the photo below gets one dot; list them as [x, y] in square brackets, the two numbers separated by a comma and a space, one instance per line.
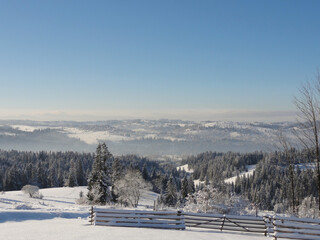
[224, 219]
[91, 215]
[268, 222]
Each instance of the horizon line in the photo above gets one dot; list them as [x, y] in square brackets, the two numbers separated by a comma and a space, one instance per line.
[195, 115]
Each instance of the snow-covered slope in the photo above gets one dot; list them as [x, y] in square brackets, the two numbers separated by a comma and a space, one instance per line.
[57, 216]
[250, 171]
[54, 200]
[185, 168]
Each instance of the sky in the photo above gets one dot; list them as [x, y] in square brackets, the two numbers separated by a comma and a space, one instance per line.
[193, 60]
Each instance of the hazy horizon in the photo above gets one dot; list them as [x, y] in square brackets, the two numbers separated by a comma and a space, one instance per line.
[196, 115]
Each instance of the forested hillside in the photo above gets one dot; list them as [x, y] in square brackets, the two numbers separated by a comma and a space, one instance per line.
[57, 169]
[270, 187]
[217, 166]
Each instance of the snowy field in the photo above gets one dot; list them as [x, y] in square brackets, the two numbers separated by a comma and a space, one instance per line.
[57, 216]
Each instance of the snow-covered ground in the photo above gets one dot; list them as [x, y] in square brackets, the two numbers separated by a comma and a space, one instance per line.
[185, 168]
[250, 168]
[57, 216]
[78, 229]
[61, 199]
[304, 166]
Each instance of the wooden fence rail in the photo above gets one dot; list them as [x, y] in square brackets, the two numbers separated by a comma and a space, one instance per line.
[296, 228]
[227, 222]
[179, 220]
[278, 227]
[135, 218]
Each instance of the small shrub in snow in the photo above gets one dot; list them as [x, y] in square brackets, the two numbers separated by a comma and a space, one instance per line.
[82, 200]
[32, 190]
[281, 207]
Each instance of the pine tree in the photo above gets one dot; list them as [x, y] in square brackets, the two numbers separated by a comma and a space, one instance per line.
[12, 179]
[60, 178]
[145, 172]
[191, 187]
[99, 182]
[52, 177]
[184, 187]
[72, 181]
[116, 170]
[171, 192]
[116, 175]
[81, 180]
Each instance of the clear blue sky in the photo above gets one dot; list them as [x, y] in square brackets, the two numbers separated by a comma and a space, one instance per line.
[105, 56]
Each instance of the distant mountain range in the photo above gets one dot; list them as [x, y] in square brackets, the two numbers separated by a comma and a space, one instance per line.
[143, 137]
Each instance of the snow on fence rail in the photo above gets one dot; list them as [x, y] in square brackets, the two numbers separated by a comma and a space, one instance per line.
[135, 218]
[228, 222]
[296, 228]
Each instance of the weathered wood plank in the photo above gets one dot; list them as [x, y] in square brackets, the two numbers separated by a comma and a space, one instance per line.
[164, 226]
[138, 216]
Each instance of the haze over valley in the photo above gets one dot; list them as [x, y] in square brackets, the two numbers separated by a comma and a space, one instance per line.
[142, 137]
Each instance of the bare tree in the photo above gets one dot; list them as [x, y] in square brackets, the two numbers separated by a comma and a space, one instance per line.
[309, 117]
[128, 188]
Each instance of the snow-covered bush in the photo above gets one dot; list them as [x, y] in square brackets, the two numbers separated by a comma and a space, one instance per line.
[281, 207]
[32, 190]
[210, 200]
[308, 208]
[82, 200]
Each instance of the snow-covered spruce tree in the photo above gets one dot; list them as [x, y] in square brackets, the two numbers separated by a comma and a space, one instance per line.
[117, 173]
[80, 176]
[171, 192]
[191, 187]
[145, 174]
[184, 187]
[72, 181]
[117, 169]
[99, 181]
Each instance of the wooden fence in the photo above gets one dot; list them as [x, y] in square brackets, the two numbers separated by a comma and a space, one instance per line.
[135, 218]
[278, 227]
[179, 220]
[296, 228]
[228, 222]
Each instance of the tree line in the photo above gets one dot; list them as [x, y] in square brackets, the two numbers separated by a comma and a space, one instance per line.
[57, 169]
